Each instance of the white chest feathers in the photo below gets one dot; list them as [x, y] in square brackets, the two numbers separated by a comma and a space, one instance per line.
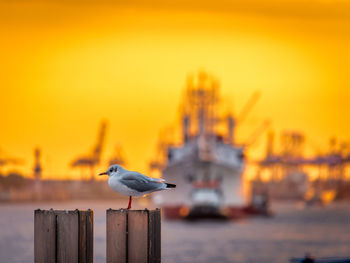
[117, 186]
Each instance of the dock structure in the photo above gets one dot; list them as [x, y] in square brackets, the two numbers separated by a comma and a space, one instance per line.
[133, 236]
[63, 236]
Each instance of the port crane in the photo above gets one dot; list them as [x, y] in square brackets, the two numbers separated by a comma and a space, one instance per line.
[5, 160]
[118, 156]
[289, 165]
[92, 159]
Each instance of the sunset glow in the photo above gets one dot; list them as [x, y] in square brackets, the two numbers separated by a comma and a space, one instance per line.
[67, 66]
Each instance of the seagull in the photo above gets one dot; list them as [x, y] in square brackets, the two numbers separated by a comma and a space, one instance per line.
[132, 183]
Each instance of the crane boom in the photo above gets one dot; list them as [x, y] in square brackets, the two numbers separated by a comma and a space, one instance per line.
[248, 106]
[92, 159]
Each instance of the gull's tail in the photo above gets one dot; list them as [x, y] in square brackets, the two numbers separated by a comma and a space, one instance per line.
[170, 185]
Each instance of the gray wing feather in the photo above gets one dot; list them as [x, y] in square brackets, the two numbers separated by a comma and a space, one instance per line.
[140, 182]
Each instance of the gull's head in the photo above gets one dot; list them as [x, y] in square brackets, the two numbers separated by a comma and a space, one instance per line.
[111, 170]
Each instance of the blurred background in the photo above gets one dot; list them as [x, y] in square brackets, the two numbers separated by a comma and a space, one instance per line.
[242, 104]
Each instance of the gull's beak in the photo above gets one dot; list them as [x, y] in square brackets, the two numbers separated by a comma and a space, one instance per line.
[102, 173]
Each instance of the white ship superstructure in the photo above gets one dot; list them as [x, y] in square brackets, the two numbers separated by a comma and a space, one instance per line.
[207, 165]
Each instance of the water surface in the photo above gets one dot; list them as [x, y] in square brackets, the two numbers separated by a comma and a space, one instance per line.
[293, 231]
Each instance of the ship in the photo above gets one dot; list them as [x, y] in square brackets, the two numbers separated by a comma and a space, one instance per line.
[207, 165]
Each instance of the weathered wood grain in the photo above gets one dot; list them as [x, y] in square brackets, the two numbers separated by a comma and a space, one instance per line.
[138, 236]
[44, 236]
[116, 236]
[68, 237]
[133, 236]
[86, 241]
[89, 237]
[63, 236]
[154, 236]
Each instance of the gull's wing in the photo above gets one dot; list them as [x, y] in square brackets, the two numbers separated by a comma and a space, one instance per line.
[140, 182]
[129, 175]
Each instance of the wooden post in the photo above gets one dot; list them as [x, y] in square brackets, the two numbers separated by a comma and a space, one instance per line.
[133, 236]
[116, 236]
[63, 236]
[154, 227]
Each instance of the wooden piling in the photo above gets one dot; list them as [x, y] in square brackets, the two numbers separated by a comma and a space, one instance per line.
[133, 236]
[63, 236]
[44, 236]
[154, 245]
[116, 236]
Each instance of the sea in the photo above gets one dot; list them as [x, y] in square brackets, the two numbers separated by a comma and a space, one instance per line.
[292, 231]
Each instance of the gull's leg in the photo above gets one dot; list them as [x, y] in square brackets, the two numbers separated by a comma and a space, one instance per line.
[130, 200]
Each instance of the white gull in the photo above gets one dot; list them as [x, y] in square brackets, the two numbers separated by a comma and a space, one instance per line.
[132, 183]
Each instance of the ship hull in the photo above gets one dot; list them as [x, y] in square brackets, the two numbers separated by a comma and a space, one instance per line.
[196, 195]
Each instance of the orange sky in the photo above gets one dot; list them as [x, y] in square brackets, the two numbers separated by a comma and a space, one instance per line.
[66, 65]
